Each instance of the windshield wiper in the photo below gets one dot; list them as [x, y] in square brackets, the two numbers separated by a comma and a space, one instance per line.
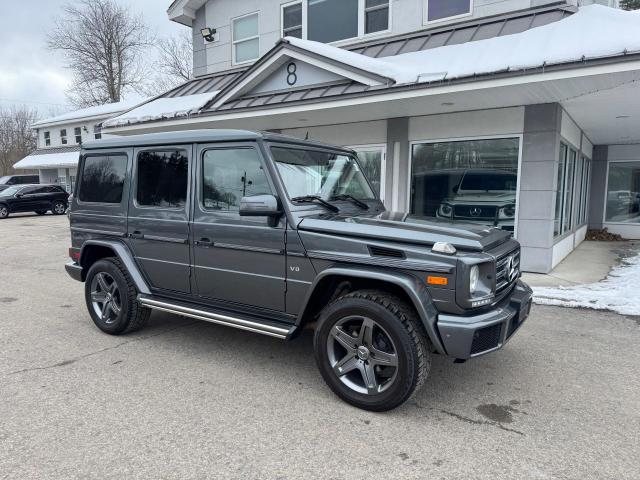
[316, 198]
[359, 203]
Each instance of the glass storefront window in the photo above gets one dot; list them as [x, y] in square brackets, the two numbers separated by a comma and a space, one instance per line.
[372, 161]
[623, 193]
[469, 181]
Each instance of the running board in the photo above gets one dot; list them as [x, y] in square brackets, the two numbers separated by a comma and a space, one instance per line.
[271, 329]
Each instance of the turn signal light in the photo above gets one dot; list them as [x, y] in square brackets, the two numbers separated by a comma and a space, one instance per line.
[431, 280]
[74, 254]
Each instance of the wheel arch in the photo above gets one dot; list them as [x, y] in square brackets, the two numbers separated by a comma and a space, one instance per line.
[330, 283]
[94, 250]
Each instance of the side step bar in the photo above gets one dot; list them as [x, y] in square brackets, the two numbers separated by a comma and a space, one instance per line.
[270, 329]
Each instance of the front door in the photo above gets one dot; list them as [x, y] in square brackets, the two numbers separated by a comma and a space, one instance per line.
[158, 225]
[32, 199]
[238, 260]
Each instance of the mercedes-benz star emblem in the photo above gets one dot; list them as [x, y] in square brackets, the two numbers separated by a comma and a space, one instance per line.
[511, 268]
[475, 211]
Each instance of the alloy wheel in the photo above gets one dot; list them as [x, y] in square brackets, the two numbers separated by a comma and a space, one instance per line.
[4, 212]
[105, 297]
[59, 208]
[362, 355]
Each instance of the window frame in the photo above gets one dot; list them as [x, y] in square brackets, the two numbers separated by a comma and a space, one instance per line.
[125, 185]
[63, 136]
[135, 173]
[47, 138]
[77, 133]
[606, 222]
[235, 42]
[200, 175]
[425, 14]
[362, 18]
[382, 148]
[396, 178]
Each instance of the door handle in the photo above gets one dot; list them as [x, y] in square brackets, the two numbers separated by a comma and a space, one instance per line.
[204, 242]
[137, 234]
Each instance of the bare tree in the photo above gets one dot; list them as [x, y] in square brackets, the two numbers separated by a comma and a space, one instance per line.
[17, 139]
[103, 43]
[174, 64]
[630, 4]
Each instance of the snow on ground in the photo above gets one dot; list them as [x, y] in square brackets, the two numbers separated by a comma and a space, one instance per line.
[163, 108]
[619, 292]
[593, 32]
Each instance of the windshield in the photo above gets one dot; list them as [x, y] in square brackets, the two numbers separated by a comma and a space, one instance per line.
[4, 180]
[320, 173]
[489, 181]
[9, 191]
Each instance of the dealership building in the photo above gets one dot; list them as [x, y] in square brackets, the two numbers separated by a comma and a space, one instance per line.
[523, 115]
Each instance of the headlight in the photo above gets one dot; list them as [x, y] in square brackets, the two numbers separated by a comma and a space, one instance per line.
[508, 212]
[445, 210]
[474, 276]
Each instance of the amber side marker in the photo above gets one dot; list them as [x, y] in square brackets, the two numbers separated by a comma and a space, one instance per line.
[437, 280]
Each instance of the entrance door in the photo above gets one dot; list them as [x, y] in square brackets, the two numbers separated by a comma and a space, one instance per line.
[240, 260]
[374, 163]
[158, 228]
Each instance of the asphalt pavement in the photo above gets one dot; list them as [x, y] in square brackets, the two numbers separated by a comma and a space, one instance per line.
[185, 399]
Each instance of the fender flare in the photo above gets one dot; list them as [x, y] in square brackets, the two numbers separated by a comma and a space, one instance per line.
[125, 256]
[412, 286]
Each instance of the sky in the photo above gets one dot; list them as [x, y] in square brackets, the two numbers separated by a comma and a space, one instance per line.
[29, 73]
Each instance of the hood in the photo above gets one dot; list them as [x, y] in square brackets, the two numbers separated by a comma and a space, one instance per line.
[488, 198]
[404, 228]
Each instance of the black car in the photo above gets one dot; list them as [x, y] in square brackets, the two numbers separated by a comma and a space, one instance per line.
[33, 198]
[8, 180]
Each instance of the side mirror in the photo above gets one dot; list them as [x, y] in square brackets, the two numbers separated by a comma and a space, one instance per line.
[260, 206]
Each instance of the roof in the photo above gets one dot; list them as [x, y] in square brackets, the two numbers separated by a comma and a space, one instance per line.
[50, 158]
[99, 111]
[520, 43]
[196, 136]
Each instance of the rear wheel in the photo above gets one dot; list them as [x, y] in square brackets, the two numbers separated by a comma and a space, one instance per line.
[111, 298]
[370, 350]
[4, 211]
[58, 207]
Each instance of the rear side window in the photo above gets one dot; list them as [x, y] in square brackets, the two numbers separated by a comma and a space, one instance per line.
[162, 179]
[229, 175]
[103, 179]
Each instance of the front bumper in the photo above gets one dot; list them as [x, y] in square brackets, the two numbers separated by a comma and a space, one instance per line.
[467, 337]
[74, 270]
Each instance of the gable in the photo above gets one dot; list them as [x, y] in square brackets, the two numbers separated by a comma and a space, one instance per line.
[295, 74]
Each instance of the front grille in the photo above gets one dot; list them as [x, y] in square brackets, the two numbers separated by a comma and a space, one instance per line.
[507, 270]
[486, 339]
[475, 212]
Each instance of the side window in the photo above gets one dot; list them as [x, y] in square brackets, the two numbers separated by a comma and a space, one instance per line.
[103, 178]
[63, 136]
[163, 177]
[230, 174]
[28, 191]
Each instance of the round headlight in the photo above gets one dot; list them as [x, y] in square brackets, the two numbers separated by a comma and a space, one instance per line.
[474, 275]
[446, 210]
[509, 211]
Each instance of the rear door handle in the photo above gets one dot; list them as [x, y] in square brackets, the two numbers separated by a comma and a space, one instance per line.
[136, 234]
[204, 242]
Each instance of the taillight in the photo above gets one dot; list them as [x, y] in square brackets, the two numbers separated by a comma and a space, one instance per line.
[74, 254]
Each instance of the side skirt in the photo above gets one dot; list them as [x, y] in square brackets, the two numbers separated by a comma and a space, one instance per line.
[269, 328]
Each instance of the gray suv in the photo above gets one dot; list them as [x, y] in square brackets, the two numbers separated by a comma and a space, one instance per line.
[273, 235]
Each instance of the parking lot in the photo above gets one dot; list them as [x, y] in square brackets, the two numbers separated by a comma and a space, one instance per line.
[185, 399]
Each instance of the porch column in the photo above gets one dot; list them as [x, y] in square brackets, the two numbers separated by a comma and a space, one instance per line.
[397, 164]
[538, 178]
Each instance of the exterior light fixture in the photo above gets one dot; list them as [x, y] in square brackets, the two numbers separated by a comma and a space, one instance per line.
[208, 34]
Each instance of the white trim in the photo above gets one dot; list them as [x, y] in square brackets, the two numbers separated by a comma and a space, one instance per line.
[519, 136]
[303, 27]
[235, 42]
[381, 147]
[533, 78]
[425, 14]
[605, 222]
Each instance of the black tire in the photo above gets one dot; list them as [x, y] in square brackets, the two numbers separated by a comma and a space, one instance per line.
[58, 207]
[4, 211]
[397, 322]
[41, 212]
[131, 316]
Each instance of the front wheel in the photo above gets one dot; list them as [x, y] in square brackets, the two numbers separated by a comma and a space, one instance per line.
[4, 211]
[371, 351]
[58, 208]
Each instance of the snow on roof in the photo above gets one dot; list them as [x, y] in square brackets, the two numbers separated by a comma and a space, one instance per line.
[163, 108]
[106, 110]
[49, 160]
[593, 32]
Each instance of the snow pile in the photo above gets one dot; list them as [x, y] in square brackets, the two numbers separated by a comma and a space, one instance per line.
[619, 292]
[593, 32]
[106, 110]
[163, 108]
[49, 160]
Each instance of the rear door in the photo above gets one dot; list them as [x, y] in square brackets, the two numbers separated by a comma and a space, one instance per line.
[238, 260]
[158, 223]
